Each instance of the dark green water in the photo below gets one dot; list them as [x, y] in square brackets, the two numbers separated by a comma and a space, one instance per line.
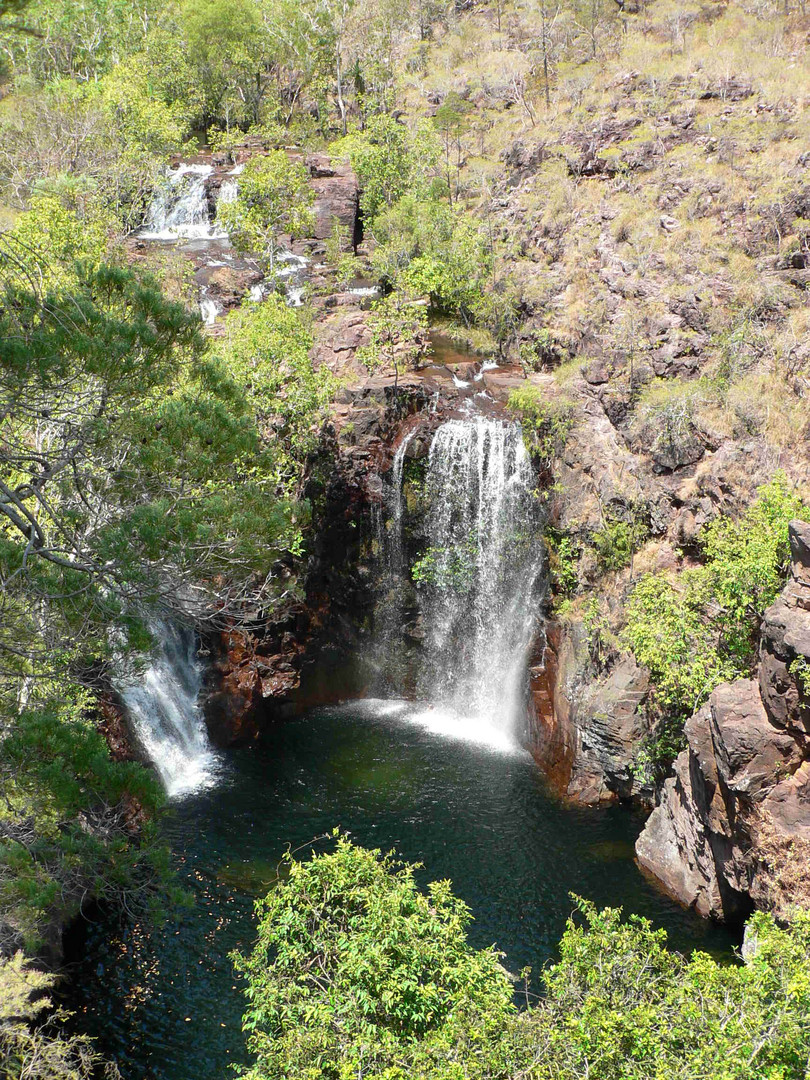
[165, 1005]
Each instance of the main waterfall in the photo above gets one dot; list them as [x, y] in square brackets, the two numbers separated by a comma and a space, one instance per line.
[165, 716]
[479, 577]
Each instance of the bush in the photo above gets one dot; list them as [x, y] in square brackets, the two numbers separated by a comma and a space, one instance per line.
[617, 542]
[546, 423]
[435, 250]
[391, 161]
[72, 823]
[356, 972]
[701, 629]
[369, 975]
[44, 1051]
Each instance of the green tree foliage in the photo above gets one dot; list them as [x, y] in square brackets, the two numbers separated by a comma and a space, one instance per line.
[267, 353]
[398, 326]
[369, 975]
[29, 1048]
[111, 140]
[621, 1006]
[357, 972]
[546, 422]
[120, 435]
[434, 249]
[81, 41]
[700, 629]
[274, 197]
[224, 41]
[132, 471]
[73, 825]
[391, 160]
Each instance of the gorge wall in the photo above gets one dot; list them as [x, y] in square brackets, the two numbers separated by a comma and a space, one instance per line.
[589, 702]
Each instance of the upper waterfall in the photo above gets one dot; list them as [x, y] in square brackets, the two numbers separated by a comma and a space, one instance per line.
[179, 209]
[479, 576]
[165, 715]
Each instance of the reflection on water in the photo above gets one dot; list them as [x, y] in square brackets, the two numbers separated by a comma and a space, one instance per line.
[165, 1002]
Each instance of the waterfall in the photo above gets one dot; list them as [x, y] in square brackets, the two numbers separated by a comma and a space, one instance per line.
[166, 718]
[386, 656]
[480, 576]
[179, 209]
[209, 309]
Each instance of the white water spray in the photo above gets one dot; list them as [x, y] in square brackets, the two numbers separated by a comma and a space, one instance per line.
[480, 580]
[166, 718]
[179, 209]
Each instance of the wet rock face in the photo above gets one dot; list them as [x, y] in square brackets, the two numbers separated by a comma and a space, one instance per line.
[734, 821]
[585, 738]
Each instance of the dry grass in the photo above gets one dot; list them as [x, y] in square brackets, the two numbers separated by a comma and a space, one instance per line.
[784, 866]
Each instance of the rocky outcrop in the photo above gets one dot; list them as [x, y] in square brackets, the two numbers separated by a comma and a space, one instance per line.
[337, 198]
[586, 736]
[732, 829]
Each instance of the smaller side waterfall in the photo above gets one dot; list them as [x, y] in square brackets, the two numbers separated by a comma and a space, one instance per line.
[165, 716]
[385, 655]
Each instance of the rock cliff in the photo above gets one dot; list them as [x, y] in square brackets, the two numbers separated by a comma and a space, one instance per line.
[732, 829]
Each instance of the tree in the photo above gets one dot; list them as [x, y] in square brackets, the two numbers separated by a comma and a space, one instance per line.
[226, 46]
[549, 15]
[119, 466]
[397, 324]
[274, 197]
[267, 353]
[391, 160]
[369, 975]
[356, 972]
[38, 1052]
[451, 120]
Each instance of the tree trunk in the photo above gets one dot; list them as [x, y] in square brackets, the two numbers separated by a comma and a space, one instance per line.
[341, 104]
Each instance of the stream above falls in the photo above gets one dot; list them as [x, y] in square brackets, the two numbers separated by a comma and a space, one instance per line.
[164, 1003]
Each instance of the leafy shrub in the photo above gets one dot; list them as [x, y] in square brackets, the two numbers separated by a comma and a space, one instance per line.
[701, 629]
[30, 1049]
[268, 355]
[452, 569]
[274, 196]
[563, 559]
[391, 160]
[356, 972]
[68, 828]
[621, 1006]
[435, 250]
[617, 541]
[546, 423]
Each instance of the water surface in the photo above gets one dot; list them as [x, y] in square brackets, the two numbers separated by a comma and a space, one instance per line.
[165, 1003]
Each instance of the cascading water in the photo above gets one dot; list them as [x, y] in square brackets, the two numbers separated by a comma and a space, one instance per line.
[480, 578]
[165, 716]
[483, 571]
[385, 654]
[180, 208]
